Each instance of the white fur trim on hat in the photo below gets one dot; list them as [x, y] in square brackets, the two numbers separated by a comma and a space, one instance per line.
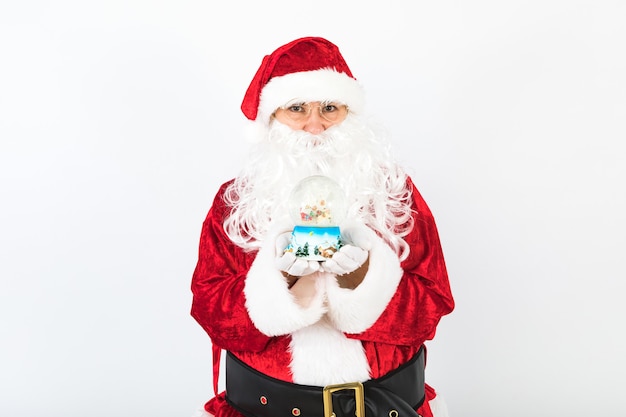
[306, 86]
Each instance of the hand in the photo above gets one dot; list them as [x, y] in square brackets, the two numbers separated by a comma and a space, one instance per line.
[289, 263]
[295, 266]
[346, 260]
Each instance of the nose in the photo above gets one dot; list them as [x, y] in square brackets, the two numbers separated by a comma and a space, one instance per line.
[315, 124]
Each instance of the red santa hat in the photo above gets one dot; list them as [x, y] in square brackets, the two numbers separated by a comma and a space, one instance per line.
[307, 69]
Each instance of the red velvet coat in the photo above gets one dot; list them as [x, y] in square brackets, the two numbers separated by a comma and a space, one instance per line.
[221, 304]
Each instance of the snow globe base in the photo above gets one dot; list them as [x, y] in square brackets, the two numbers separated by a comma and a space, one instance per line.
[314, 243]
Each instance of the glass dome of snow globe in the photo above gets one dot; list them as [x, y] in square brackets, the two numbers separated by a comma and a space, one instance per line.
[317, 205]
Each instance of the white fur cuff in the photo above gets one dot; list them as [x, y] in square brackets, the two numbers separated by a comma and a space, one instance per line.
[271, 306]
[354, 311]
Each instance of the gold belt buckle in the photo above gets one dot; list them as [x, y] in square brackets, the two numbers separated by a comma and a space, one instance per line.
[359, 398]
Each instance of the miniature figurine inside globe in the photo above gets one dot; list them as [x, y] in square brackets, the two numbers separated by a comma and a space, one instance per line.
[317, 205]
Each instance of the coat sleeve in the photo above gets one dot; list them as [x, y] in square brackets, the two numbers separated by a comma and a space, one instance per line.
[218, 286]
[415, 293]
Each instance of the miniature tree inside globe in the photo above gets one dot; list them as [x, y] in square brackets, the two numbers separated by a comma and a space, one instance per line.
[317, 205]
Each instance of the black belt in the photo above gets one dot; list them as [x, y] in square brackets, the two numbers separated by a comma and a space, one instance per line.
[254, 394]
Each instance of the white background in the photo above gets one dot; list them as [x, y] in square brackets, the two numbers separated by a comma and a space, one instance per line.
[119, 120]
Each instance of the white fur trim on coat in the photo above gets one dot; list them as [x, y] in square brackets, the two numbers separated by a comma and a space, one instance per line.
[306, 86]
[200, 412]
[354, 311]
[272, 307]
[322, 355]
[438, 406]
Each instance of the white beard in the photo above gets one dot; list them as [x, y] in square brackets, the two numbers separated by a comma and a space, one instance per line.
[351, 153]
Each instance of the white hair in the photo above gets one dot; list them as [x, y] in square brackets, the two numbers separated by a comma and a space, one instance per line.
[352, 153]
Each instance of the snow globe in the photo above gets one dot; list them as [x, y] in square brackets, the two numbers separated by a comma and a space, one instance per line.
[317, 205]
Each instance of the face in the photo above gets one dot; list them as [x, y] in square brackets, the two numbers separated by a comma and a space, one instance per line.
[313, 117]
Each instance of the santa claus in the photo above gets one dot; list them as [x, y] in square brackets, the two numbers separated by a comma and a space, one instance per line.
[307, 337]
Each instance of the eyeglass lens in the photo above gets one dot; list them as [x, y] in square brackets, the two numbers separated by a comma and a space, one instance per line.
[331, 112]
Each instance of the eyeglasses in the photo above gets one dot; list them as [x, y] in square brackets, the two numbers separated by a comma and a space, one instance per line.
[300, 112]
